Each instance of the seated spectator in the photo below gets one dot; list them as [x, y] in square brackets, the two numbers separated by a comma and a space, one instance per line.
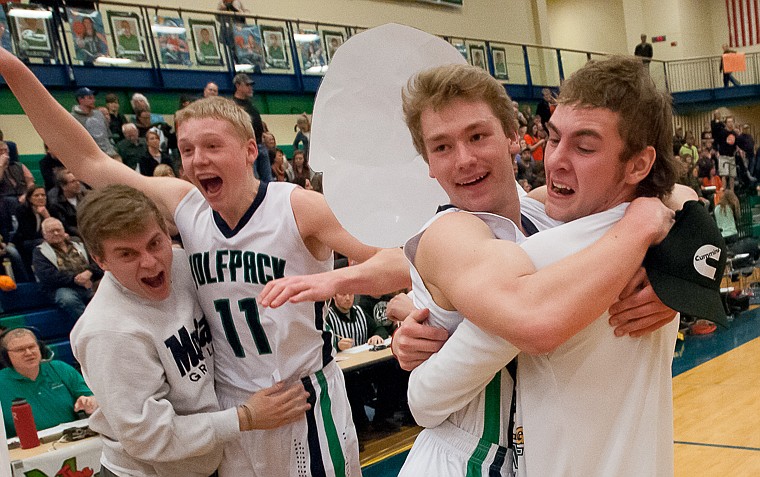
[262, 167]
[15, 178]
[29, 216]
[143, 122]
[64, 269]
[535, 141]
[49, 165]
[63, 200]
[726, 214]
[301, 167]
[163, 170]
[55, 390]
[154, 155]
[116, 120]
[351, 327]
[93, 120]
[18, 267]
[280, 166]
[211, 89]
[132, 148]
[712, 185]
[140, 103]
[689, 148]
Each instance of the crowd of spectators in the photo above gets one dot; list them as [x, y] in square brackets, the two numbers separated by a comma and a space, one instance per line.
[39, 230]
[528, 151]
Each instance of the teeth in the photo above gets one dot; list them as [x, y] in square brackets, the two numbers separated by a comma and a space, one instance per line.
[472, 181]
[560, 186]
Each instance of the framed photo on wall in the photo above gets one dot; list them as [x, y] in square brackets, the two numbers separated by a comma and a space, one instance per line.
[499, 63]
[172, 40]
[274, 46]
[88, 34]
[249, 47]
[127, 35]
[461, 48]
[478, 56]
[5, 31]
[33, 37]
[332, 40]
[312, 53]
[206, 43]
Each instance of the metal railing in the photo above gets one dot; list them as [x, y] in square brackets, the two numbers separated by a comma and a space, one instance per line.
[293, 54]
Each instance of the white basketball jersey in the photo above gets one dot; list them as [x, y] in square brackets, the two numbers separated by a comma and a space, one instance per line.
[599, 405]
[255, 347]
[485, 416]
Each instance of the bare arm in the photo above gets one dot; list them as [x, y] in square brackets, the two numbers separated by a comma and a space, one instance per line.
[380, 270]
[73, 144]
[536, 311]
[385, 272]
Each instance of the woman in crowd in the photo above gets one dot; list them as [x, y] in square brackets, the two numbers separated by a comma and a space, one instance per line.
[301, 169]
[303, 126]
[155, 155]
[30, 215]
[726, 215]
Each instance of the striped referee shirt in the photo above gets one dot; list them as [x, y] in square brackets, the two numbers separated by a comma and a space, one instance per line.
[353, 324]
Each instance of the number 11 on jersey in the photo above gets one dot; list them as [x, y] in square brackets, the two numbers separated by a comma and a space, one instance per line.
[250, 309]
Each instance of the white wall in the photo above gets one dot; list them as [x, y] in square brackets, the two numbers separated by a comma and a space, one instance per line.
[597, 25]
[503, 20]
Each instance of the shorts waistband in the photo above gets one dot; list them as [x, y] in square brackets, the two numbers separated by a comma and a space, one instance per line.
[459, 439]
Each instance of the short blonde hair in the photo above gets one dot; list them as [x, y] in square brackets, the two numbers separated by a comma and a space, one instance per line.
[437, 87]
[217, 107]
[163, 170]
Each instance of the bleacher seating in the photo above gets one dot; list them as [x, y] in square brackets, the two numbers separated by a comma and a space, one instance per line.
[27, 306]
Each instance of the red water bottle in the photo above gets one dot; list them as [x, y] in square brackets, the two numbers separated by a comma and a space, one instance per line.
[23, 420]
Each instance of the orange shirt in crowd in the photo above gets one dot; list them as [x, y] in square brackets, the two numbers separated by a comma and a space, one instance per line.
[718, 183]
[538, 153]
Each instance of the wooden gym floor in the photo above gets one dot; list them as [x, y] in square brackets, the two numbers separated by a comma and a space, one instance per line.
[716, 397]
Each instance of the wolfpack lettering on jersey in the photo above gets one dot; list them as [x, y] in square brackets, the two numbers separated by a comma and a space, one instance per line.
[190, 349]
[234, 265]
[256, 347]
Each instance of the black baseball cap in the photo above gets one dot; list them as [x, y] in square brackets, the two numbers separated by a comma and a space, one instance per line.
[686, 268]
[84, 91]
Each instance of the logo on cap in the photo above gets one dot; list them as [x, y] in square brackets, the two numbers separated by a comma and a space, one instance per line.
[700, 260]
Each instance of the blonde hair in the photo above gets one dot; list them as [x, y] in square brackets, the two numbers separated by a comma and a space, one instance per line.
[437, 87]
[217, 107]
[303, 119]
[163, 170]
[729, 200]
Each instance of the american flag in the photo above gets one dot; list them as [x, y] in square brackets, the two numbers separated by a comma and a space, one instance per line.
[743, 22]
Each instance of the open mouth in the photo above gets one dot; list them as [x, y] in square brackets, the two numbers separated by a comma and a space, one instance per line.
[211, 185]
[156, 281]
[562, 189]
[475, 181]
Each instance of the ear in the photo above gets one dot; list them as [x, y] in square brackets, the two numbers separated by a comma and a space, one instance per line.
[637, 168]
[252, 151]
[101, 263]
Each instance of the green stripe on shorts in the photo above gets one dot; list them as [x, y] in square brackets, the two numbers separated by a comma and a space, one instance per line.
[333, 441]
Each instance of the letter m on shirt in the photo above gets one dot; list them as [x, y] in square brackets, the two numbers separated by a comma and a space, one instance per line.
[184, 350]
